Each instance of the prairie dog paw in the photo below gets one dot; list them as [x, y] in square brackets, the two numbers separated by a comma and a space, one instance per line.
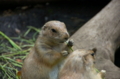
[70, 43]
[64, 53]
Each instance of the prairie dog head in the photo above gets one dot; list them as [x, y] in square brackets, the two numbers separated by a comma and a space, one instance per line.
[80, 65]
[81, 59]
[55, 30]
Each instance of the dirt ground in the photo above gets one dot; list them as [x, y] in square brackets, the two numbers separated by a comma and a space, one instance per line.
[14, 19]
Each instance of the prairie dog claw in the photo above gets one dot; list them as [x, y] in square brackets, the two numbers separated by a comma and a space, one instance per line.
[64, 53]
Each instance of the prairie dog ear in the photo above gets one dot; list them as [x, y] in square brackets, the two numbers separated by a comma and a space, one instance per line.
[94, 50]
[44, 27]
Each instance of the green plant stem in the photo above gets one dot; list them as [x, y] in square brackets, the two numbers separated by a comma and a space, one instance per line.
[13, 54]
[11, 42]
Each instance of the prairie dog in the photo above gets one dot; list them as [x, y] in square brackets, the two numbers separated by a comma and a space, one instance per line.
[80, 65]
[49, 51]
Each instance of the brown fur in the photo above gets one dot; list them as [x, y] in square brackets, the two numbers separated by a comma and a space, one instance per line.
[79, 65]
[48, 52]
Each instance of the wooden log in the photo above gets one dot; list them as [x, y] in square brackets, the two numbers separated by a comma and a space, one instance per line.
[102, 32]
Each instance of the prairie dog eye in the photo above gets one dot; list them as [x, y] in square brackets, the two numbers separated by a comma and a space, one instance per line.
[53, 30]
[93, 54]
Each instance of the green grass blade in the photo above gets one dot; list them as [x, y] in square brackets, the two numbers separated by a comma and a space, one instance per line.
[11, 42]
[36, 29]
[27, 32]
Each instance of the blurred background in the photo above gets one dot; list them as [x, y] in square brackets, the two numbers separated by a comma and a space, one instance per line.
[16, 16]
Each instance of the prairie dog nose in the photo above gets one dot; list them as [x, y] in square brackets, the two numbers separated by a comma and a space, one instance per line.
[65, 36]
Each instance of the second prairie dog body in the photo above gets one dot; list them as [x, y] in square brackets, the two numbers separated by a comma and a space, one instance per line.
[48, 52]
[80, 65]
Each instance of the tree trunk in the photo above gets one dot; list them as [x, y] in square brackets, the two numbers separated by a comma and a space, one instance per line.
[103, 33]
